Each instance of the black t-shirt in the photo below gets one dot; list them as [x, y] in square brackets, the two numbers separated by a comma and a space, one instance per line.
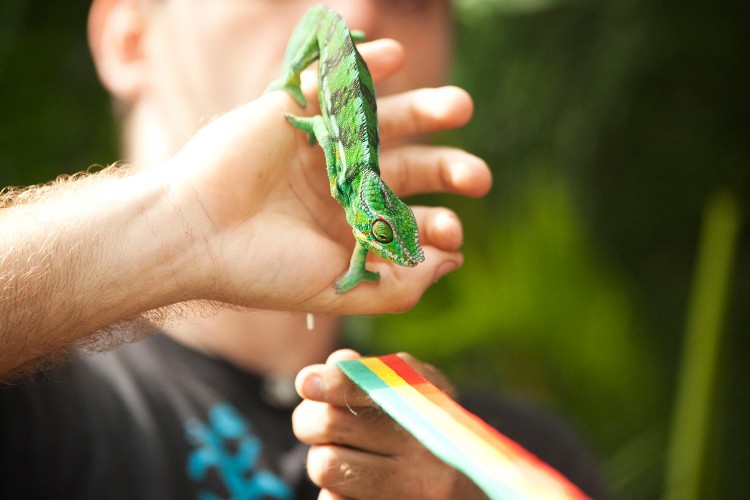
[157, 420]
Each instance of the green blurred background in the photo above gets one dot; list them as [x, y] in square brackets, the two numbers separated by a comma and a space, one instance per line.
[604, 276]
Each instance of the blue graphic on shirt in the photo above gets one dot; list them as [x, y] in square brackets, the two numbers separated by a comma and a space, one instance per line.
[228, 431]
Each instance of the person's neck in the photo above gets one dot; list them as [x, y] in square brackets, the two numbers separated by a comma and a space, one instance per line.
[145, 141]
[272, 344]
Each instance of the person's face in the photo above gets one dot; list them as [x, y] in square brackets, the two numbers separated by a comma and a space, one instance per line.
[206, 57]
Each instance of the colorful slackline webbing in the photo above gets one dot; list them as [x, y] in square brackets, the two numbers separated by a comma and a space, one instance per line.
[499, 466]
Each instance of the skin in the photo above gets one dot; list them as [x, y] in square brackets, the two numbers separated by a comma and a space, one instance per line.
[357, 451]
[210, 195]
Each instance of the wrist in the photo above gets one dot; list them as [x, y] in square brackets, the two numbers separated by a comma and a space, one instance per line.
[183, 233]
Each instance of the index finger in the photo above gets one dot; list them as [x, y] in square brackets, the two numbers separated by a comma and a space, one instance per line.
[384, 57]
[423, 111]
[328, 384]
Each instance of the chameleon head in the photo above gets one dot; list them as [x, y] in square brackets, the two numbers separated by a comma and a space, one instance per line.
[384, 224]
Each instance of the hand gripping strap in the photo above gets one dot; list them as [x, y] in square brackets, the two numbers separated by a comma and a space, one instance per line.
[499, 466]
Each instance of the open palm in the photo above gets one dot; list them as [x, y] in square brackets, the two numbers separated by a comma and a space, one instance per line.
[274, 236]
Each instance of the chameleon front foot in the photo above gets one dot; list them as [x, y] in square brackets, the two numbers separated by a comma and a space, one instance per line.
[290, 85]
[357, 272]
[353, 278]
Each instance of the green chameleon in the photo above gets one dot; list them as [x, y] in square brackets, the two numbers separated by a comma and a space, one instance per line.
[347, 131]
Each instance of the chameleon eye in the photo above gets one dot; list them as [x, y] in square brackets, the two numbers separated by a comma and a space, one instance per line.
[382, 231]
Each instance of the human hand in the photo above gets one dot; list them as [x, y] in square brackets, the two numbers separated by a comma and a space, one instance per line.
[274, 237]
[357, 451]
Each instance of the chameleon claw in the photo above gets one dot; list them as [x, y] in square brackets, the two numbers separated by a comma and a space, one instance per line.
[307, 125]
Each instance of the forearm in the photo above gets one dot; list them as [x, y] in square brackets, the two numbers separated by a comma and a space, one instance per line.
[85, 255]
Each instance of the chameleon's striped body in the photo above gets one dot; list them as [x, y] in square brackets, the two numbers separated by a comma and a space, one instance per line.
[347, 130]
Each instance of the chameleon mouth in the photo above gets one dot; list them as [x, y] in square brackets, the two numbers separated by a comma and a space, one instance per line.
[418, 255]
[413, 260]
[407, 259]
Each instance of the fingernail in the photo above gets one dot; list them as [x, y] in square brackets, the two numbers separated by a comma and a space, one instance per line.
[312, 388]
[445, 268]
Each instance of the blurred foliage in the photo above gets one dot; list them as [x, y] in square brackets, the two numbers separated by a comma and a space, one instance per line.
[703, 336]
[55, 117]
[609, 127]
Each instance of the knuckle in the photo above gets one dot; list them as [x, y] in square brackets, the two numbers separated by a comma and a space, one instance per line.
[334, 424]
